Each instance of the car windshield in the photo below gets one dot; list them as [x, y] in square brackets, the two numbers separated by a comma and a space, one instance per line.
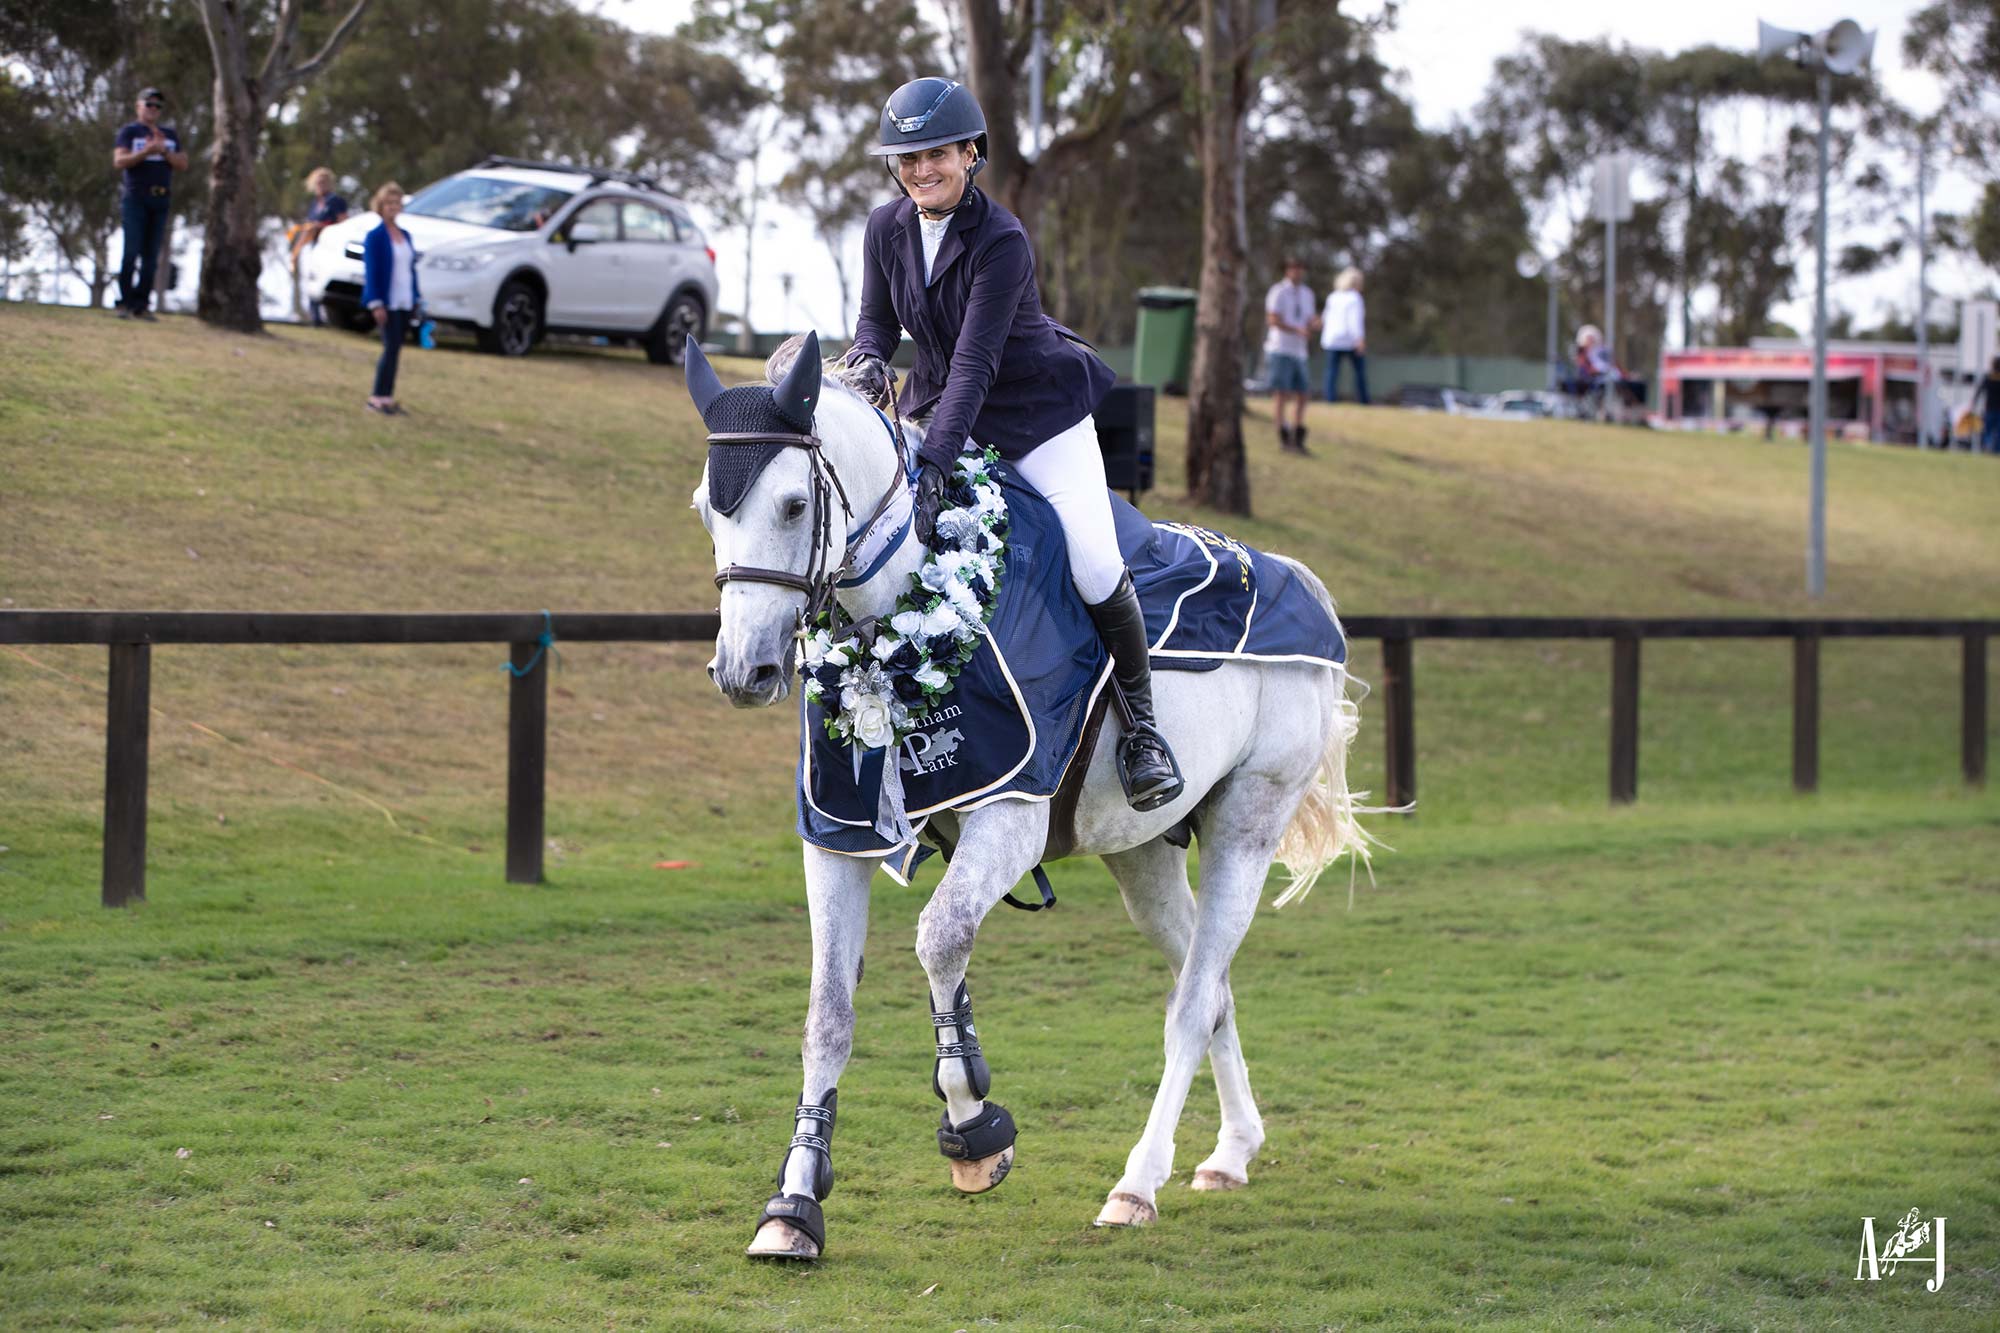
[487, 201]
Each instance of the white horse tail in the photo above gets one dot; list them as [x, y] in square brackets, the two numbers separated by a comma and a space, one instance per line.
[1326, 825]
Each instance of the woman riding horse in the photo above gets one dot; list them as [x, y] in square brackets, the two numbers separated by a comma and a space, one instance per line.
[955, 269]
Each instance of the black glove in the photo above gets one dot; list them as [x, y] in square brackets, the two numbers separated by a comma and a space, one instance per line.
[869, 375]
[929, 501]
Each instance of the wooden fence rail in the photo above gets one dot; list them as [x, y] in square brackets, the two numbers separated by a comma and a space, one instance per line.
[130, 636]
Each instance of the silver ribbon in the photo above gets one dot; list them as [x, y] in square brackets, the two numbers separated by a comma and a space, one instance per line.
[892, 817]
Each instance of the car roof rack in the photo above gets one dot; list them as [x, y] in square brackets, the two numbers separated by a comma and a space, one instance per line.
[598, 175]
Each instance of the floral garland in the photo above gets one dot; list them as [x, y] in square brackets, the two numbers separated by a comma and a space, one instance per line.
[886, 687]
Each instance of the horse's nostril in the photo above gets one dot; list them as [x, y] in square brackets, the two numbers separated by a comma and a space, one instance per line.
[764, 677]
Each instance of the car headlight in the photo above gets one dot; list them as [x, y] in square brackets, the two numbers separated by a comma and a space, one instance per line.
[460, 263]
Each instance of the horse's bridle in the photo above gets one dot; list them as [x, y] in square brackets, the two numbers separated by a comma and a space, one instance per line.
[819, 583]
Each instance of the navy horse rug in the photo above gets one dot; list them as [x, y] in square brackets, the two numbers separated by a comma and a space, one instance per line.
[1014, 719]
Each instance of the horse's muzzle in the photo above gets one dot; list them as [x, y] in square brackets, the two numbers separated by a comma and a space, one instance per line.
[750, 686]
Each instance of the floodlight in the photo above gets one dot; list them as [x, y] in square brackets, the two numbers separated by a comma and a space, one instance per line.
[1845, 47]
[1773, 40]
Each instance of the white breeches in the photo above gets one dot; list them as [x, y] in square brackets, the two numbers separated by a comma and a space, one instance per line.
[1069, 472]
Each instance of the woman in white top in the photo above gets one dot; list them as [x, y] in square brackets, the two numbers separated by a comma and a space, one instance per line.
[389, 289]
[1343, 334]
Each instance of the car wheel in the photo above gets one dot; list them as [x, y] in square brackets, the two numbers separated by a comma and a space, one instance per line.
[517, 320]
[666, 345]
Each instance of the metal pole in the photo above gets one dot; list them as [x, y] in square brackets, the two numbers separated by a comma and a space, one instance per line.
[1555, 371]
[1611, 278]
[1923, 300]
[1816, 523]
[1037, 56]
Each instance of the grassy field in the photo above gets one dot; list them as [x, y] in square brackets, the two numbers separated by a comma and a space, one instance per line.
[1561, 1067]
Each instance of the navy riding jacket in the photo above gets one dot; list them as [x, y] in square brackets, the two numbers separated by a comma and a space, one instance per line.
[990, 364]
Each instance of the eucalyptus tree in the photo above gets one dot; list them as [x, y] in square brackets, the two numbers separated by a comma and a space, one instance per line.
[1959, 41]
[70, 71]
[247, 90]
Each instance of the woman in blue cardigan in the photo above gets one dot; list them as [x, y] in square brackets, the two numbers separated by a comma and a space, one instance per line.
[389, 289]
[955, 269]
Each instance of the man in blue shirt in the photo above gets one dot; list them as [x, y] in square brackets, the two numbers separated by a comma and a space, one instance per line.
[149, 154]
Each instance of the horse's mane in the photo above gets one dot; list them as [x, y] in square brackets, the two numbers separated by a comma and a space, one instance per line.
[831, 370]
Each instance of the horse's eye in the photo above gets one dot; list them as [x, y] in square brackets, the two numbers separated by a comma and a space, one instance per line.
[794, 510]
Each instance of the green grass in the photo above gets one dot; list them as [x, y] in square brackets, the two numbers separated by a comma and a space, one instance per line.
[1653, 1075]
[1561, 1067]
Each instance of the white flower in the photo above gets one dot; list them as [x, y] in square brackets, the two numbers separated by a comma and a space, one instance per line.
[838, 656]
[945, 620]
[905, 623]
[817, 644]
[930, 677]
[966, 603]
[885, 647]
[872, 722]
[814, 689]
[934, 576]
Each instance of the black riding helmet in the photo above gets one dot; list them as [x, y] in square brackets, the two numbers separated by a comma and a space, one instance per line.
[929, 113]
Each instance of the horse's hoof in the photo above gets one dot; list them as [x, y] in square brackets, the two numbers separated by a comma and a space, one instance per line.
[1206, 1179]
[1127, 1210]
[980, 1174]
[779, 1239]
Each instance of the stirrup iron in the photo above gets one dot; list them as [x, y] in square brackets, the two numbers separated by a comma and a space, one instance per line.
[1137, 733]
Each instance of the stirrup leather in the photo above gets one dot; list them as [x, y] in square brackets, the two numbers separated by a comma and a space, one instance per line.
[966, 1048]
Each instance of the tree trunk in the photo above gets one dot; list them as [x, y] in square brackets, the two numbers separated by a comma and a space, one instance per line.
[230, 258]
[993, 78]
[1217, 475]
[231, 253]
[102, 275]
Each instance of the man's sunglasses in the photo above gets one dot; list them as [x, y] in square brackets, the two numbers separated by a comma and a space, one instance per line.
[155, 106]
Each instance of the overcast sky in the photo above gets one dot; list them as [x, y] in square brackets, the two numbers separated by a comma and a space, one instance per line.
[1446, 49]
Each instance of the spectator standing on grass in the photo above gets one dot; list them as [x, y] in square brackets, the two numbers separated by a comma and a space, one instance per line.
[1288, 313]
[326, 209]
[389, 291]
[148, 153]
[1344, 334]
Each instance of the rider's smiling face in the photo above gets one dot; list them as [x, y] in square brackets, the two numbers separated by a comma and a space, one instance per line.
[935, 177]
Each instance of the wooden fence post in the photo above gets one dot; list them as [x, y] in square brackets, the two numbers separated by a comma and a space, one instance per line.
[1805, 713]
[1972, 711]
[1624, 719]
[1399, 687]
[527, 761]
[127, 729]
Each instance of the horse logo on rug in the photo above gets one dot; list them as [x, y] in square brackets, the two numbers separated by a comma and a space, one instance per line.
[927, 752]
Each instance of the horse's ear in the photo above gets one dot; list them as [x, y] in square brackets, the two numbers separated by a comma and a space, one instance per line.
[798, 396]
[702, 384]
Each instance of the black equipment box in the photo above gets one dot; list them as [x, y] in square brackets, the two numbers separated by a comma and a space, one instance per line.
[1125, 436]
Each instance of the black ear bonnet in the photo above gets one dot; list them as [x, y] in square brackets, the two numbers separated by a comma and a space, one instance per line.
[750, 409]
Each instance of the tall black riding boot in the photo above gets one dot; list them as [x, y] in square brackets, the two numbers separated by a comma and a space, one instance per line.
[1145, 765]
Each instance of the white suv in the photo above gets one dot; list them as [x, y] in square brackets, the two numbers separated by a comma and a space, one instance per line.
[514, 249]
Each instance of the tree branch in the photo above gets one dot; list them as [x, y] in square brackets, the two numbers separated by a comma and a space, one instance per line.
[282, 37]
[299, 74]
